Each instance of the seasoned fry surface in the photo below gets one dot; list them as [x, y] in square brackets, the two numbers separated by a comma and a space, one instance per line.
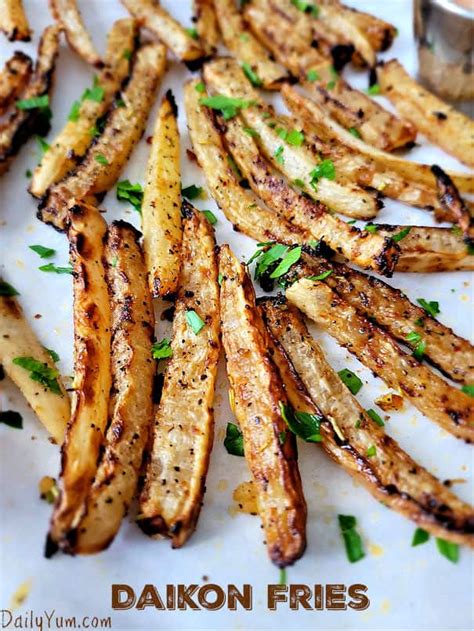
[72, 142]
[390, 475]
[131, 407]
[258, 394]
[153, 17]
[13, 78]
[447, 406]
[21, 124]
[107, 156]
[161, 206]
[92, 377]
[183, 430]
[68, 15]
[13, 21]
[17, 339]
[237, 204]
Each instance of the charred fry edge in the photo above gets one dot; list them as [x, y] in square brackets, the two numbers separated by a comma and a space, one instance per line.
[23, 123]
[274, 469]
[131, 407]
[92, 381]
[439, 511]
[196, 356]
[448, 407]
[14, 22]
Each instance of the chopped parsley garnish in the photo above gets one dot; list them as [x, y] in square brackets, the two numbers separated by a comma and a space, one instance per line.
[7, 290]
[51, 267]
[420, 536]
[42, 145]
[36, 103]
[200, 87]
[12, 419]
[401, 235]
[283, 133]
[448, 549]
[306, 7]
[431, 307]
[162, 349]
[295, 138]
[374, 89]
[306, 426]
[194, 321]
[42, 251]
[279, 157]
[289, 259]
[351, 222]
[371, 451]
[54, 356]
[371, 227]
[352, 540]
[251, 75]
[324, 169]
[220, 278]
[127, 54]
[350, 380]
[417, 343]
[376, 418]
[40, 372]
[101, 159]
[210, 216]
[28, 173]
[355, 132]
[456, 230]
[321, 276]
[74, 112]
[192, 191]
[468, 389]
[244, 37]
[96, 93]
[228, 106]
[251, 132]
[235, 169]
[234, 440]
[192, 32]
[313, 75]
[132, 193]
[299, 183]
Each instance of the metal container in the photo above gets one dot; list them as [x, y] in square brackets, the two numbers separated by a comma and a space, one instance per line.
[444, 32]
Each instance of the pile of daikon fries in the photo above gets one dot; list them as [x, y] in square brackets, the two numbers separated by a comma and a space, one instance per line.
[279, 179]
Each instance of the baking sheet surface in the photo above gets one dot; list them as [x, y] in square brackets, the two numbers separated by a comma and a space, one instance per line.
[409, 588]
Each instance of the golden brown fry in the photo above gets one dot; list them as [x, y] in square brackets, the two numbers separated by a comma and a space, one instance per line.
[337, 21]
[183, 431]
[259, 395]
[51, 404]
[22, 123]
[161, 207]
[414, 174]
[70, 145]
[13, 78]
[369, 250]
[92, 378]
[452, 204]
[426, 249]
[281, 31]
[438, 121]
[393, 311]
[295, 162]
[13, 21]
[131, 413]
[154, 18]
[390, 475]
[243, 45]
[447, 406]
[107, 156]
[379, 33]
[240, 208]
[67, 13]
[206, 24]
